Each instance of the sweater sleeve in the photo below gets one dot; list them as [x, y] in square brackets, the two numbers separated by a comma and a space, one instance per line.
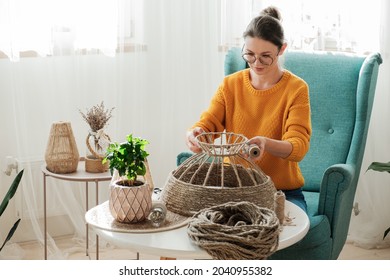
[213, 119]
[298, 125]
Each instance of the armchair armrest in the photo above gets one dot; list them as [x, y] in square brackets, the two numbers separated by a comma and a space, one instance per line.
[336, 198]
[336, 180]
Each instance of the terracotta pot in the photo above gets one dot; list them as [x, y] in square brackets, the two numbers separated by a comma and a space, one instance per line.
[130, 204]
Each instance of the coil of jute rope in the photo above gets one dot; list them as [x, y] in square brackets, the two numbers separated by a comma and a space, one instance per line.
[236, 231]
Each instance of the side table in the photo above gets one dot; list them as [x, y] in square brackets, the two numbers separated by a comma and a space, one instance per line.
[80, 175]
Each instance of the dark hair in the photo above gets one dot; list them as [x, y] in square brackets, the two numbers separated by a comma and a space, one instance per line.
[267, 26]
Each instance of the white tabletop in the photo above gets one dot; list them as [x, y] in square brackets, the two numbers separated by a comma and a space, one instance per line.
[176, 243]
[79, 175]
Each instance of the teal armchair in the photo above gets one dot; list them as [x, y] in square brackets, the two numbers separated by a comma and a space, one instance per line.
[342, 88]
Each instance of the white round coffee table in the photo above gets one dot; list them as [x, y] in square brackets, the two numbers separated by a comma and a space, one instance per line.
[175, 243]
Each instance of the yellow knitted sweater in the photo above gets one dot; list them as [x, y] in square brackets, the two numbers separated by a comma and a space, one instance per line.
[281, 112]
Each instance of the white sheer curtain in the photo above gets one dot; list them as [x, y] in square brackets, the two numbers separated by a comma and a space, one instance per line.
[158, 86]
[235, 16]
[373, 192]
[159, 76]
[76, 67]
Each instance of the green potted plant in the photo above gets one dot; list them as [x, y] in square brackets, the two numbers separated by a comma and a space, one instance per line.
[130, 197]
[381, 167]
[11, 192]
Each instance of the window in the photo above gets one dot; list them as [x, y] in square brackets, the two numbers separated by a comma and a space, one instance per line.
[235, 15]
[330, 25]
[60, 27]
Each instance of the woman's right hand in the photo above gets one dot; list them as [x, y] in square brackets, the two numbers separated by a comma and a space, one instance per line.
[191, 141]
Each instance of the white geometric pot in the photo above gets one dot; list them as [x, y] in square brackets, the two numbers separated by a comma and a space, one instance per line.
[130, 204]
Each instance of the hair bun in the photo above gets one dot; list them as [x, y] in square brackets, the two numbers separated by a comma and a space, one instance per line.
[272, 12]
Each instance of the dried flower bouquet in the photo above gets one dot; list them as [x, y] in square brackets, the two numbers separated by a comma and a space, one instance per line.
[97, 117]
[97, 140]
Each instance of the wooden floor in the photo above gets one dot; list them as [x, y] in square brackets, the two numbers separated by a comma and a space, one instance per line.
[34, 251]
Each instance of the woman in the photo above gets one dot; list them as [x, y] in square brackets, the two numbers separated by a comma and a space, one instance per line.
[267, 104]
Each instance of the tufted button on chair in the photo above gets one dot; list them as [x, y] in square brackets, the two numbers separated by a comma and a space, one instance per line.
[342, 88]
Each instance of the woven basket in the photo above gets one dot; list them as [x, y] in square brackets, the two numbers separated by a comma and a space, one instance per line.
[61, 155]
[219, 174]
[94, 165]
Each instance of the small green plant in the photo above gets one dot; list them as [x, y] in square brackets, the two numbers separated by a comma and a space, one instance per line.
[128, 158]
[11, 192]
[381, 167]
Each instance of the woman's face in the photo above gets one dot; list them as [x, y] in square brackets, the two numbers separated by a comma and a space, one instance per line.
[262, 56]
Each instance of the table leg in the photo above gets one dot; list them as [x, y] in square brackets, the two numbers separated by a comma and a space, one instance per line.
[86, 224]
[97, 203]
[44, 217]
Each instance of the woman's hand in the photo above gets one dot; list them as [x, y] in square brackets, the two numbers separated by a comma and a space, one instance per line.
[260, 142]
[277, 148]
[191, 141]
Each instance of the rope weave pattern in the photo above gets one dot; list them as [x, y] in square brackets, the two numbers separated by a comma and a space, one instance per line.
[236, 231]
[187, 199]
[221, 173]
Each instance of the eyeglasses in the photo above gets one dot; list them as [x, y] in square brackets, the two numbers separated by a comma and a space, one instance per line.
[263, 59]
[266, 60]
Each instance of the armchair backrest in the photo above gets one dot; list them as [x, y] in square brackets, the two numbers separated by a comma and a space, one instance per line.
[341, 88]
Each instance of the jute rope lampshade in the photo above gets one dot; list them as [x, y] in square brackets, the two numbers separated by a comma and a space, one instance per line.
[220, 173]
[61, 155]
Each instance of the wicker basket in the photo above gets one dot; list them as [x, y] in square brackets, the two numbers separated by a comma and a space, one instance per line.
[95, 165]
[221, 173]
[61, 155]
